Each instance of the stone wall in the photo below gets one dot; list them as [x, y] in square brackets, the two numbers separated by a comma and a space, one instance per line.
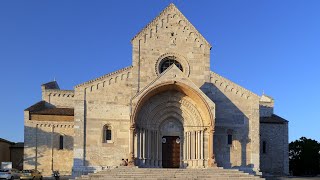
[59, 98]
[4, 151]
[237, 114]
[275, 160]
[170, 34]
[39, 117]
[17, 156]
[42, 149]
[103, 101]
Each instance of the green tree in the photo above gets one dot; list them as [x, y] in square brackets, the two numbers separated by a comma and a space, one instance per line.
[304, 157]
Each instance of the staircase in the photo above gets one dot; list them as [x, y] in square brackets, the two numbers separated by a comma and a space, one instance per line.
[127, 173]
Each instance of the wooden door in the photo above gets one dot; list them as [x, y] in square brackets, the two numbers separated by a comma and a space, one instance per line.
[170, 152]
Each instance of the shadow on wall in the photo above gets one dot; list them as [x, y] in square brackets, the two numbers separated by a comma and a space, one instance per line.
[231, 136]
[81, 168]
[45, 149]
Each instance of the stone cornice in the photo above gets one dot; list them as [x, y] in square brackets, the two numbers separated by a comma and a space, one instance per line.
[231, 86]
[60, 124]
[167, 10]
[104, 76]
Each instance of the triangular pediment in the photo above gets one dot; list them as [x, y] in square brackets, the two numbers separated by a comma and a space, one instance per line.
[169, 13]
[172, 75]
[174, 79]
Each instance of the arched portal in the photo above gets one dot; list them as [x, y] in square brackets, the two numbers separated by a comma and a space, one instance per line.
[177, 113]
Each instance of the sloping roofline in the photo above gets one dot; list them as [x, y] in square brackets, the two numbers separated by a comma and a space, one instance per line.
[167, 9]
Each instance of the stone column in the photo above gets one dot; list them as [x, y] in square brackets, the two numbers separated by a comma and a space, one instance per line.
[211, 160]
[184, 146]
[152, 148]
[157, 149]
[135, 144]
[148, 147]
[160, 149]
[199, 148]
[144, 147]
[140, 145]
[193, 133]
[181, 150]
[187, 146]
[189, 140]
[131, 146]
[201, 145]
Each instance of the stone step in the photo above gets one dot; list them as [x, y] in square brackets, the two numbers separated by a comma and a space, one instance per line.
[168, 174]
[217, 178]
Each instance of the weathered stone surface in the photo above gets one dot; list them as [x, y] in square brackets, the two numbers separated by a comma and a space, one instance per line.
[141, 105]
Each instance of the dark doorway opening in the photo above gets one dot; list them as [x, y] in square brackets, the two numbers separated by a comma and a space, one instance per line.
[170, 152]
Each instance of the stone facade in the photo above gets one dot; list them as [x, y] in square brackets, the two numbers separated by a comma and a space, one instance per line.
[274, 147]
[169, 91]
[47, 124]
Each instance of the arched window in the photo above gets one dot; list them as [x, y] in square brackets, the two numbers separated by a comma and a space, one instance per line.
[229, 139]
[167, 62]
[107, 134]
[61, 138]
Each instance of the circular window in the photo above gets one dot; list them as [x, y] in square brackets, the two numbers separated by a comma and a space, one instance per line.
[167, 62]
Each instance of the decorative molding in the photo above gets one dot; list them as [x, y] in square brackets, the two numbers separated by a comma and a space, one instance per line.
[230, 86]
[181, 59]
[162, 18]
[105, 76]
[52, 124]
[60, 93]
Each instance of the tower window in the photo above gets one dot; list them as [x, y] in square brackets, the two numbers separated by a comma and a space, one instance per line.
[168, 61]
[107, 134]
[229, 139]
[61, 142]
[264, 147]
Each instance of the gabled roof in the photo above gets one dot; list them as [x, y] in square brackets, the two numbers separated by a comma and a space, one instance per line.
[44, 108]
[171, 9]
[273, 119]
[6, 141]
[51, 85]
[37, 106]
[17, 145]
[55, 111]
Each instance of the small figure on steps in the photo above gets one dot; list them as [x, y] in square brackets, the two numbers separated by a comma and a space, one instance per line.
[123, 163]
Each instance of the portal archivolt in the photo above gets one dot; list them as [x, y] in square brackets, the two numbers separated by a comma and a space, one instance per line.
[172, 113]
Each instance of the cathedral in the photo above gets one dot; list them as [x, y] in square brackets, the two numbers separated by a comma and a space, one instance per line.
[166, 110]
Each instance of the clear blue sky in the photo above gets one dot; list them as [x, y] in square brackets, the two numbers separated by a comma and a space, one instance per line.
[268, 45]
